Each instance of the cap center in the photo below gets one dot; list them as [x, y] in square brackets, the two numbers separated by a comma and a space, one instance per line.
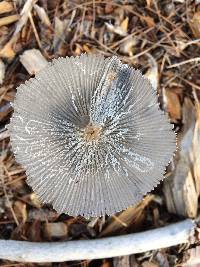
[92, 132]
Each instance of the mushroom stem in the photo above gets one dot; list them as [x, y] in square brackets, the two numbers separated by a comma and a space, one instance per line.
[171, 235]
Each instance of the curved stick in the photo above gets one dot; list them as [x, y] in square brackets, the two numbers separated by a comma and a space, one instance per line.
[23, 251]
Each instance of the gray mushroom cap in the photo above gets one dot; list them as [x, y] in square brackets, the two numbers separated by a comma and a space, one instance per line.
[90, 135]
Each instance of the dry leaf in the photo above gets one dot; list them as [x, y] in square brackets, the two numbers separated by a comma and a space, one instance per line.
[161, 257]
[149, 21]
[60, 27]
[124, 24]
[181, 45]
[32, 200]
[5, 110]
[108, 8]
[42, 215]
[172, 104]
[78, 50]
[7, 51]
[42, 15]
[116, 29]
[152, 73]
[195, 24]
[86, 48]
[24, 16]
[20, 211]
[149, 3]
[127, 46]
[106, 263]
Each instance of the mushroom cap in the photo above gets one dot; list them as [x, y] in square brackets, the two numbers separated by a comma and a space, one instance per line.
[90, 134]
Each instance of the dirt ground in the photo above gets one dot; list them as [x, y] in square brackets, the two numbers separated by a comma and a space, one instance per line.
[159, 37]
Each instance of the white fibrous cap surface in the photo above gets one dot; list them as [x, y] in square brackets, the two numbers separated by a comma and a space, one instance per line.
[90, 135]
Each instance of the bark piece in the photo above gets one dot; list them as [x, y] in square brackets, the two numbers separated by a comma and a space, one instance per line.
[181, 189]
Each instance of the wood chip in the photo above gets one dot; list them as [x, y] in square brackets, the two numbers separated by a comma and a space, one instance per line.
[33, 61]
[5, 7]
[192, 257]
[7, 51]
[2, 71]
[125, 261]
[8, 20]
[56, 230]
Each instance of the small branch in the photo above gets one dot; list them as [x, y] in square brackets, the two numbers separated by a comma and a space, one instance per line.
[195, 59]
[171, 235]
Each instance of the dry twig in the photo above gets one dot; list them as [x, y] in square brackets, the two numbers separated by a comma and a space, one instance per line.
[167, 236]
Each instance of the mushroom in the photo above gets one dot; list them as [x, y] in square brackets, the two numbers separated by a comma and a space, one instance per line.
[90, 134]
